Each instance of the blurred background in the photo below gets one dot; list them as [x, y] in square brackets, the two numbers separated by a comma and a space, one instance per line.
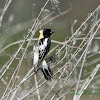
[21, 14]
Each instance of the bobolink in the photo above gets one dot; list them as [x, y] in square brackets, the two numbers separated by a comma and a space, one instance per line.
[41, 50]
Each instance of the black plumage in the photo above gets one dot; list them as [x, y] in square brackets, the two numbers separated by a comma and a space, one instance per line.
[41, 51]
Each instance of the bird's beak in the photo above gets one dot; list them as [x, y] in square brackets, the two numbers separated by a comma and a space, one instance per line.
[52, 31]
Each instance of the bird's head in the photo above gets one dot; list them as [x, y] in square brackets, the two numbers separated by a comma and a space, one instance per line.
[46, 32]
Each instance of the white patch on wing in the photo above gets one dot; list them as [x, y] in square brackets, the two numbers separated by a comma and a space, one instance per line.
[36, 55]
[42, 46]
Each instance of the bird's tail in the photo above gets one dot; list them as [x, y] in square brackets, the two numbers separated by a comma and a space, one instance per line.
[48, 73]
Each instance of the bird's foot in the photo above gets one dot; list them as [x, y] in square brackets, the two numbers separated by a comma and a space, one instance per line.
[51, 58]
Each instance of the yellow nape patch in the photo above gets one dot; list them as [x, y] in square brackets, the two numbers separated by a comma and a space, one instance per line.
[41, 34]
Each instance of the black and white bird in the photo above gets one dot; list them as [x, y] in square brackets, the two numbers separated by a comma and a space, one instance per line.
[41, 50]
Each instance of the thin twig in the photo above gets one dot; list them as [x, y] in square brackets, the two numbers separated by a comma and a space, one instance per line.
[87, 82]
[7, 4]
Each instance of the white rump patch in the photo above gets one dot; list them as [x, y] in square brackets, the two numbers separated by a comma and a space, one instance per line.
[44, 65]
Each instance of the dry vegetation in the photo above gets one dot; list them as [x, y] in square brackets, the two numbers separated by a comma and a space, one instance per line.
[69, 64]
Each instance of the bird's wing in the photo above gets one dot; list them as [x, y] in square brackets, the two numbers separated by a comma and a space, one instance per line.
[41, 50]
[44, 46]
